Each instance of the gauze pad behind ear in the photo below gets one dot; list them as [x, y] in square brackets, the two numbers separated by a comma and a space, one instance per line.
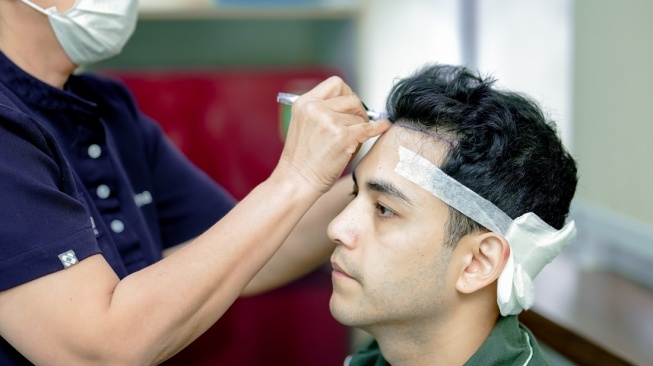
[533, 243]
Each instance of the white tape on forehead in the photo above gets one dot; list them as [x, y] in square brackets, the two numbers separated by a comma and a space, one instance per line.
[428, 176]
[533, 243]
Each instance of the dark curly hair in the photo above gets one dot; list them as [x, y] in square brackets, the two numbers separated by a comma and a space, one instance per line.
[504, 148]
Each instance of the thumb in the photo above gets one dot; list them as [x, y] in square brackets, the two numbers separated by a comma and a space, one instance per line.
[371, 129]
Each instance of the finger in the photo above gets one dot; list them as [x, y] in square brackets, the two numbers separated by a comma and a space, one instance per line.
[349, 104]
[339, 111]
[364, 131]
[332, 87]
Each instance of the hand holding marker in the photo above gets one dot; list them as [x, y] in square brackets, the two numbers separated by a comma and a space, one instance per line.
[289, 99]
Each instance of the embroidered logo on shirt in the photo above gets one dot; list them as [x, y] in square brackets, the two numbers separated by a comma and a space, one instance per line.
[143, 198]
[68, 259]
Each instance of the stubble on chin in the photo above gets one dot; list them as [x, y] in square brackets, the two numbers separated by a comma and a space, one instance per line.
[341, 310]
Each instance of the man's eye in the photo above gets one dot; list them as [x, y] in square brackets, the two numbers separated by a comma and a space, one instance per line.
[384, 212]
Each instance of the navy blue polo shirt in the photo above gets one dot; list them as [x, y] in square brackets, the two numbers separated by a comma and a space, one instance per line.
[82, 172]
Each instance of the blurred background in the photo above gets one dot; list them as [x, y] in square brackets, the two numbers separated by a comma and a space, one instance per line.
[209, 71]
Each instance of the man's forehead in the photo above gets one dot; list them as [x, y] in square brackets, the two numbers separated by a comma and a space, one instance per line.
[432, 147]
[376, 171]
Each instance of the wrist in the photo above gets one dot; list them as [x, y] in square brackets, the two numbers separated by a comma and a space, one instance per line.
[290, 181]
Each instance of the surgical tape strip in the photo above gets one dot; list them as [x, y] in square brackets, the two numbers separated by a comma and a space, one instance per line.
[533, 243]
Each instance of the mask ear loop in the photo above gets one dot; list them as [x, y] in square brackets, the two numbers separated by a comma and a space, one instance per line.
[36, 7]
[533, 243]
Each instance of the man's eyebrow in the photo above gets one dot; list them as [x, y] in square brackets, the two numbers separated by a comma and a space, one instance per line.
[384, 187]
[388, 189]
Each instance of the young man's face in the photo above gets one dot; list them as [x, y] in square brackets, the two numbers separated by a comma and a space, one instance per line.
[390, 265]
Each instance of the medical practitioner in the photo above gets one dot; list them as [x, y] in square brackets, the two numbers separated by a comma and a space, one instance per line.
[93, 194]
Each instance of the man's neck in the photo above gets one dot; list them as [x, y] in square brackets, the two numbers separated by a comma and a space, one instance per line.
[450, 341]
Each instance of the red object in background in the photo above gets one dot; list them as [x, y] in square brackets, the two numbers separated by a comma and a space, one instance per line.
[227, 123]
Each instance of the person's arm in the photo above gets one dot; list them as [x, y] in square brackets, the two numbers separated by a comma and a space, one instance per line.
[307, 246]
[168, 251]
[86, 315]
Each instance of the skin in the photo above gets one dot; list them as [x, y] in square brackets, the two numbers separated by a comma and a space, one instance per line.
[394, 278]
[86, 315]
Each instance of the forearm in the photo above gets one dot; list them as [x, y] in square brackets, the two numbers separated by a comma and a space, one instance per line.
[218, 263]
[91, 317]
[308, 245]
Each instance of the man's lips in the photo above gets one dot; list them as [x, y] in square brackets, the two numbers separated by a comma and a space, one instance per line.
[339, 272]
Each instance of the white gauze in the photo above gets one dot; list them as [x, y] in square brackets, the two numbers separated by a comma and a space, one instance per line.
[533, 242]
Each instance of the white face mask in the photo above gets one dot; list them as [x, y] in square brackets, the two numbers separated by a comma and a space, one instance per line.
[92, 30]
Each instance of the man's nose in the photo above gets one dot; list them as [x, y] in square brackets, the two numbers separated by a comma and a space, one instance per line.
[342, 229]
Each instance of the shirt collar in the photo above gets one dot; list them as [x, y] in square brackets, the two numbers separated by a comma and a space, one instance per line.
[507, 344]
[33, 90]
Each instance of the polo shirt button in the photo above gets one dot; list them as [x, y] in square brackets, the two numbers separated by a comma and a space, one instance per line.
[94, 151]
[117, 226]
[103, 191]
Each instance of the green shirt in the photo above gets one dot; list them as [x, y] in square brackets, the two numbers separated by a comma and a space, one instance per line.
[509, 343]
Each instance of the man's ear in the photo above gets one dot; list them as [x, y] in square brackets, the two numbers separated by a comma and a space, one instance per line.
[484, 256]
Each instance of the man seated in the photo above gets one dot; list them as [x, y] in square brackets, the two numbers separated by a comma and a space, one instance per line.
[457, 207]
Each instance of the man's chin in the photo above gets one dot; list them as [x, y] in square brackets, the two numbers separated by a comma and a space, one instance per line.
[341, 312]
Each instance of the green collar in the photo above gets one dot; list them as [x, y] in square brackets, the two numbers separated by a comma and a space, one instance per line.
[509, 343]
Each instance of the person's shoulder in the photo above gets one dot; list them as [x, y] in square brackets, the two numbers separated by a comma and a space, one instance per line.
[509, 343]
[5, 102]
[15, 124]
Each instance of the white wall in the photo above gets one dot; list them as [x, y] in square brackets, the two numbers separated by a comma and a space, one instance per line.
[526, 45]
[396, 37]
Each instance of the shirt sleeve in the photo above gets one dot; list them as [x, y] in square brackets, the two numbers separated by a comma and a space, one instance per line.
[44, 227]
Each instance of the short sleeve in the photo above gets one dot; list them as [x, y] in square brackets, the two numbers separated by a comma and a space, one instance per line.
[43, 225]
